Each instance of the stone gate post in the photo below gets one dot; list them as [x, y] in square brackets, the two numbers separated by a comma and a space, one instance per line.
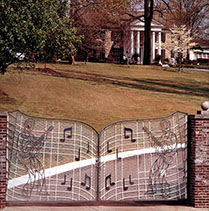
[198, 158]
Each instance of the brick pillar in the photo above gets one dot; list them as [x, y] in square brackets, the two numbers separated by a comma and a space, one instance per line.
[198, 159]
[3, 136]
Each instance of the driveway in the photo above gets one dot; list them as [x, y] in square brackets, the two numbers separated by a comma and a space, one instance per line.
[107, 208]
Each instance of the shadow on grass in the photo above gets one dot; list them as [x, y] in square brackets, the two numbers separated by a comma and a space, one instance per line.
[175, 87]
[153, 85]
[156, 85]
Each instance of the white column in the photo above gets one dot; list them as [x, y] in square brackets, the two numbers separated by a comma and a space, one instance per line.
[138, 43]
[132, 43]
[142, 55]
[124, 43]
[159, 43]
[153, 45]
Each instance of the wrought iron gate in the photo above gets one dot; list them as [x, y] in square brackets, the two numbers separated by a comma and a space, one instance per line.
[66, 160]
[144, 159]
[50, 160]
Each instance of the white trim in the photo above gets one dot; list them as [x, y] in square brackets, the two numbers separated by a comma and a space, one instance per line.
[142, 29]
[79, 164]
[51, 172]
[140, 23]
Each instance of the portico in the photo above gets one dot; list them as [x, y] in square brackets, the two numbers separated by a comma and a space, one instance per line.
[133, 42]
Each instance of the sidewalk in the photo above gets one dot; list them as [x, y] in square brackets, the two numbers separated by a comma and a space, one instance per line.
[204, 70]
[107, 208]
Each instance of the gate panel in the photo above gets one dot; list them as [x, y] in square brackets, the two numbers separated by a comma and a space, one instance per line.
[144, 159]
[50, 159]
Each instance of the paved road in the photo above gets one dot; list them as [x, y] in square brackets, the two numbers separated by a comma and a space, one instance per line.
[204, 70]
[107, 208]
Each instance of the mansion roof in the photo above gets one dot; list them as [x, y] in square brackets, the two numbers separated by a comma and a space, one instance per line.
[204, 44]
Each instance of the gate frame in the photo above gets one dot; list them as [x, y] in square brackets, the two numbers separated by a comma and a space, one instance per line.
[198, 189]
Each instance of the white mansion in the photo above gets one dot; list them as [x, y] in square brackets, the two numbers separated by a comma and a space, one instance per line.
[133, 40]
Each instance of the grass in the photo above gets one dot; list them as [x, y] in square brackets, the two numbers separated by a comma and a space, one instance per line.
[98, 93]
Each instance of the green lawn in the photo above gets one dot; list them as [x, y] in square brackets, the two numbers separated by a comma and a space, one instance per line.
[99, 93]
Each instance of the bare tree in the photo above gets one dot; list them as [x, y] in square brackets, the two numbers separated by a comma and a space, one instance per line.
[93, 18]
[105, 13]
[191, 13]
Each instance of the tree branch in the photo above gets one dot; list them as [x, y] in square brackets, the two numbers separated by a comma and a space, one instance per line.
[136, 17]
[159, 11]
[168, 6]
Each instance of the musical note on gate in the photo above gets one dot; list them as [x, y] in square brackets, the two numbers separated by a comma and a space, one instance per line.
[108, 148]
[124, 183]
[130, 182]
[79, 155]
[117, 157]
[85, 182]
[110, 182]
[70, 129]
[88, 149]
[128, 130]
[63, 183]
[71, 185]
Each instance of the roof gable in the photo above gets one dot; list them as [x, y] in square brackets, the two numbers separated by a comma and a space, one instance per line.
[141, 23]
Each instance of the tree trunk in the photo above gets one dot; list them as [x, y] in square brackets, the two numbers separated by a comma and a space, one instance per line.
[87, 57]
[147, 43]
[3, 68]
[179, 58]
[73, 59]
[148, 15]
